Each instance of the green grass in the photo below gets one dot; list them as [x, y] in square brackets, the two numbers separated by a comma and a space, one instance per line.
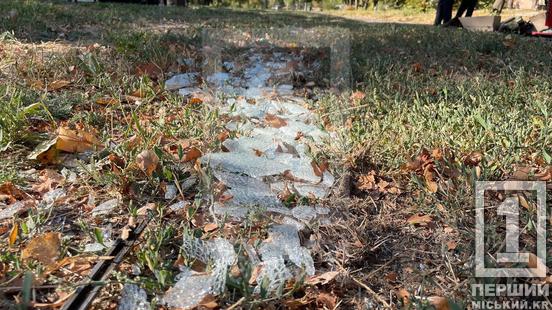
[424, 87]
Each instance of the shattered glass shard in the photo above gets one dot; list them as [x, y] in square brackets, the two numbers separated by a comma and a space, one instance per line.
[284, 242]
[189, 291]
[301, 258]
[133, 298]
[251, 165]
[12, 210]
[261, 143]
[273, 276]
[218, 79]
[178, 205]
[191, 288]
[305, 213]
[188, 91]
[246, 190]
[105, 207]
[181, 81]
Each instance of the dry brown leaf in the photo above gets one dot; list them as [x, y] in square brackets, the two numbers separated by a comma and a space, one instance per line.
[125, 233]
[48, 157]
[326, 299]
[147, 160]
[357, 96]
[223, 136]
[195, 100]
[76, 141]
[367, 182]
[139, 93]
[391, 277]
[258, 153]
[150, 69]
[57, 84]
[44, 248]
[48, 180]
[275, 121]
[74, 263]
[209, 302]
[319, 168]
[523, 202]
[523, 173]
[255, 274]
[451, 245]
[419, 219]
[117, 162]
[440, 303]
[544, 175]
[437, 154]
[225, 197]
[323, 279]
[10, 193]
[535, 262]
[107, 101]
[417, 67]
[429, 176]
[404, 296]
[148, 207]
[432, 186]
[13, 234]
[209, 227]
[235, 271]
[192, 153]
[36, 84]
[473, 159]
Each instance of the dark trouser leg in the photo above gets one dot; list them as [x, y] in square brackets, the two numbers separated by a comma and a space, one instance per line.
[438, 14]
[462, 8]
[471, 6]
[444, 11]
[447, 10]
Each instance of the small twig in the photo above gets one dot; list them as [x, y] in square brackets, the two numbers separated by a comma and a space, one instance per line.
[177, 183]
[371, 292]
[234, 306]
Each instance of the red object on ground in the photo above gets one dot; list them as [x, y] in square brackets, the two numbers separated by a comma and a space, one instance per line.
[549, 15]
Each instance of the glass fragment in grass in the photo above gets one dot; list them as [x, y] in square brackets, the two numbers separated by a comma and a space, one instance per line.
[133, 298]
[179, 205]
[50, 197]
[105, 207]
[189, 291]
[170, 192]
[12, 210]
[246, 190]
[248, 164]
[188, 183]
[192, 287]
[189, 91]
[273, 276]
[305, 213]
[284, 242]
[219, 79]
[97, 247]
[181, 81]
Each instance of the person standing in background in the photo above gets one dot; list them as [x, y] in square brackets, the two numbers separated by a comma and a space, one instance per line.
[467, 6]
[444, 12]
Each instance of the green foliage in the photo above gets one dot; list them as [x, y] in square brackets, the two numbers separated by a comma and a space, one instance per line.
[15, 112]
